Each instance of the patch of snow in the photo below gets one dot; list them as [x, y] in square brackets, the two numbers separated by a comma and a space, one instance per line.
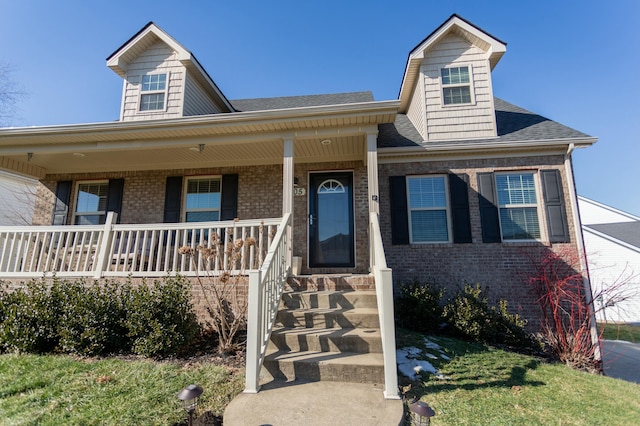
[410, 366]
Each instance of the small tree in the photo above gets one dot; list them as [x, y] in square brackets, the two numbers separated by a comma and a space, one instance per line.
[223, 292]
[566, 309]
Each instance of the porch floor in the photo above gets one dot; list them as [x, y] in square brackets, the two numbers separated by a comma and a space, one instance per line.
[314, 403]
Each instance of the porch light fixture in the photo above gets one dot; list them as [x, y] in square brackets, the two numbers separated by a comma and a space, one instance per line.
[326, 142]
[29, 156]
[189, 398]
[421, 413]
[198, 148]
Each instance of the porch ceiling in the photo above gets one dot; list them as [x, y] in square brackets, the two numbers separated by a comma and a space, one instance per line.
[229, 139]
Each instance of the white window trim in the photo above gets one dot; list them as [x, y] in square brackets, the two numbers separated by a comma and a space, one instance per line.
[541, 224]
[153, 92]
[185, 185]
[75, 200]
[447, 208]
[446, 86]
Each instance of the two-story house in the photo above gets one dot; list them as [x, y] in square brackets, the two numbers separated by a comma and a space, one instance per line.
[446, 184]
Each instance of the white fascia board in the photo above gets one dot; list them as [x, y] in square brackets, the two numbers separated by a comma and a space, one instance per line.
[429, 147]
[629, 216]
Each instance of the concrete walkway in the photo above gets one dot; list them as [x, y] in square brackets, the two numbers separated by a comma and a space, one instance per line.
[314, 404]
[621, 360]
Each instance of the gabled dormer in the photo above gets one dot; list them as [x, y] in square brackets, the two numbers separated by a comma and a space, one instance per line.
[162, 79]
[446, 90]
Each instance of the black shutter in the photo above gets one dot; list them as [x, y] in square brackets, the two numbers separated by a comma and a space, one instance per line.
[460, 218]
[399, 213]
[488, 209]
[554, 206]
[172, 199]
[61, 205]
[229, 198]
[114, 196]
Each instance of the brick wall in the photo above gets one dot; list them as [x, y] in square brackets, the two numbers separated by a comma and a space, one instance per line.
[502, 267]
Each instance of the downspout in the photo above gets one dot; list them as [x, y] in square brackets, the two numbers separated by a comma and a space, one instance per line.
[568, 165]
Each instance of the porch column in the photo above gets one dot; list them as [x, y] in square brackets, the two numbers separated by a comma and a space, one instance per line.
[287, 195]
[372, 171]
[287, 177]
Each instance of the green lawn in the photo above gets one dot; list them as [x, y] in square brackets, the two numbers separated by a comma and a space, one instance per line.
[57, 390]
[487, 386]
[611, 331]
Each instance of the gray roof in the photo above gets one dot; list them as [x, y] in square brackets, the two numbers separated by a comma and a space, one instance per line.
[262, 104]
[514, 124]
[628, 232]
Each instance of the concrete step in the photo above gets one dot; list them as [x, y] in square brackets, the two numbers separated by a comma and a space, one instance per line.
[325, 366]
[329, 318]
[345, 299]
[330, 282]
[357, 340]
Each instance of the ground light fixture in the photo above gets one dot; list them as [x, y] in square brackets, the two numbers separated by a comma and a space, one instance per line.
[421, 413]
[189, 398]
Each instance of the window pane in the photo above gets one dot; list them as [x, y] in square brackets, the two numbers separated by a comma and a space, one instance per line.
[519, 223]
[92, 197]
[94, 219]
[154, 82]
[152, 102]
[427, 192]
[429, 226]
[516, 189]
[458, 75]
[211, 216]
[457, 95]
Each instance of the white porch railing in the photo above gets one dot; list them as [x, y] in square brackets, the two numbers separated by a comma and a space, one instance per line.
[384, 295]
[265, 290]
[109, 250]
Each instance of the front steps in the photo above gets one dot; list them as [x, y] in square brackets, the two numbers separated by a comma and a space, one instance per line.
[327, 329]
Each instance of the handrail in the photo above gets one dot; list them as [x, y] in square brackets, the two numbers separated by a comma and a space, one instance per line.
[109, 250]
[265, 290]
[384, 295]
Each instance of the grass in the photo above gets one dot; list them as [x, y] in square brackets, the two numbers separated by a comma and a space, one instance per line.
[628, 332]
[480, 385]
[54, 390]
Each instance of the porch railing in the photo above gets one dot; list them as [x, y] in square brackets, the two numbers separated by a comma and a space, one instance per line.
[384, 295]
[265, 290]
[121, 250]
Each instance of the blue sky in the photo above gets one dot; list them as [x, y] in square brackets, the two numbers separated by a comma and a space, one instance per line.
[576, 62]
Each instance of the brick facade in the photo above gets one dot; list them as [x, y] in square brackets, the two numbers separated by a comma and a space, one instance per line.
[501, 267]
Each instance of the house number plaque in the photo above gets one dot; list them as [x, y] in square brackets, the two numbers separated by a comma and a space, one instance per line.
[298, 192]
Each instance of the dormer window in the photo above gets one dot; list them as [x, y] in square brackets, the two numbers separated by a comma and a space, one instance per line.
[153, 91]
[456, 85]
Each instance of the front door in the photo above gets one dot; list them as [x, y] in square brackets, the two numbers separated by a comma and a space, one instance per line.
[331, 230]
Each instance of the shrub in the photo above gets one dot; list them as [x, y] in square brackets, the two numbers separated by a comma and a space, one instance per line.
[419, 307]
[160, 318]
[31, 317]
[468, 315]
[91, 321]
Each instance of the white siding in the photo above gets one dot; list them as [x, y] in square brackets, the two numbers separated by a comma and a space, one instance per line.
[611, 265]
[157, 59]
[458, 121]
[416, 112]
[196, 100]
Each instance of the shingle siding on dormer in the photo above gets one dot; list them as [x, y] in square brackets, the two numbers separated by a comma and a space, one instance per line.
[196, 100]
[473, 121]
[416, 111]
[160, 58]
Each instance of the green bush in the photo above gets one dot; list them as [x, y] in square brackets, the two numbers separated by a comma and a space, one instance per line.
[419, 307]
[160, 318]
[91, 321]
[98, 319]
[468, 315]
[30, 318]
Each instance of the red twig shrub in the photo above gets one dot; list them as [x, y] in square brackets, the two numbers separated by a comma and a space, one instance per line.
[565, 307]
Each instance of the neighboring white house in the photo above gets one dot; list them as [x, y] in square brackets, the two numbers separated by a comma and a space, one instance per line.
[17, 198]
[612, 241]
